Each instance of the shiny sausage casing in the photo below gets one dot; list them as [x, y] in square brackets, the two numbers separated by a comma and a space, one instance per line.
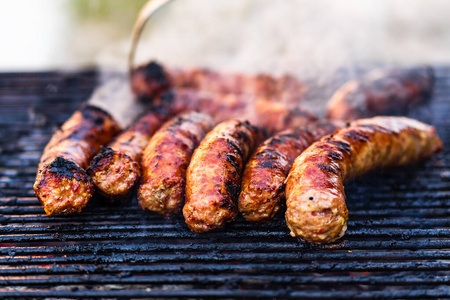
[214, 175]
[62, 185]
[264, 175]
[381, 92]
[316, 210]
[115, 171]
[165, 160]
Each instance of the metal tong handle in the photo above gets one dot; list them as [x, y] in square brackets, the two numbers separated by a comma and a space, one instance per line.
[144, 15]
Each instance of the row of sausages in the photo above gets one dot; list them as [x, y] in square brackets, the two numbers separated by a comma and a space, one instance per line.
[379, 92]
[220, 170]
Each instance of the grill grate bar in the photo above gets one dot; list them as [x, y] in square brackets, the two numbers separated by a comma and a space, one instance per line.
[143, 292]
[404, 222]
[40, 258]
[136, 233]
[238, 269]
[232, 246]
[393, 280]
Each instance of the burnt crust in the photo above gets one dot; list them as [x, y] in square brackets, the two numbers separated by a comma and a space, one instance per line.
[92, 112]
[59, 175]
[102, 159]
[64, 167]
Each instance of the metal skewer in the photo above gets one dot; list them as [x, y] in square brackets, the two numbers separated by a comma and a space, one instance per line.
[144, 15]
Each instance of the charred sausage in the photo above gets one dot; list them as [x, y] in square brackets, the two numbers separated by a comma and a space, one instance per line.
[62, 185]
[316, 210]
[381, 92]
[115, 171]
[214, 175]
[165, 160]
[264, 175]
[150, 79]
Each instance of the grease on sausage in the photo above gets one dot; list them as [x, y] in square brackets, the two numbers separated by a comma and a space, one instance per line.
[62, 185]
[316, 210]
[165, 160]
[264, 175]
[214, 175]
[115, 171]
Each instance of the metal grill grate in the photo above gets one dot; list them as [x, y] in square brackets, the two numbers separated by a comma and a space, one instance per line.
[397, 245]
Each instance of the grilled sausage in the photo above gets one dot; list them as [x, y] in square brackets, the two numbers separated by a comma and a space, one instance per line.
[116, 170]
[264, 175]
[272, 116]
[315, 199]
[165, 160]
[214, 175]
[62, 185]
[150, 79]
[381, 92]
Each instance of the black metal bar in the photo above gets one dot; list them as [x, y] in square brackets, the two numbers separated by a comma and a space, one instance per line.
[143, 292]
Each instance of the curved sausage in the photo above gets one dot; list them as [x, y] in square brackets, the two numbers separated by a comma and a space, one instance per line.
[62, 185]
[381, 92]
[264, 175]
[214, 175]
[115, 171]
[165, 160]
[315, 199]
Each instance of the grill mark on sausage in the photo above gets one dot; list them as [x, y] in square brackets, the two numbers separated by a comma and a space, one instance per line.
[213, 182]
[165, 160]
[327, 168]
[343, 146]
[232, 160]
[235, 147]
[232, 189]
[62, 185]
[357, 136]
[321, 172]
[334, 155]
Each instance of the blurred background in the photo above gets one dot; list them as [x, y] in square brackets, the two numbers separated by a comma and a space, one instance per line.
[303, 37]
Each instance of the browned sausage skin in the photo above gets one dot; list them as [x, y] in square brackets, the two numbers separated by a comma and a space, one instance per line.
[264, 175]
[115, 171]
[263, 112]
[381, 92]
[150, 79]
[165, 160]
[316, 210]
[214, 175]
[62, 185]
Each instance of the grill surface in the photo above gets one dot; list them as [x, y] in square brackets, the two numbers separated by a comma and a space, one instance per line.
[397, 244]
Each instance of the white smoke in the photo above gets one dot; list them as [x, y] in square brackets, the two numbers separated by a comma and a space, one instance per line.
[309, 39]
